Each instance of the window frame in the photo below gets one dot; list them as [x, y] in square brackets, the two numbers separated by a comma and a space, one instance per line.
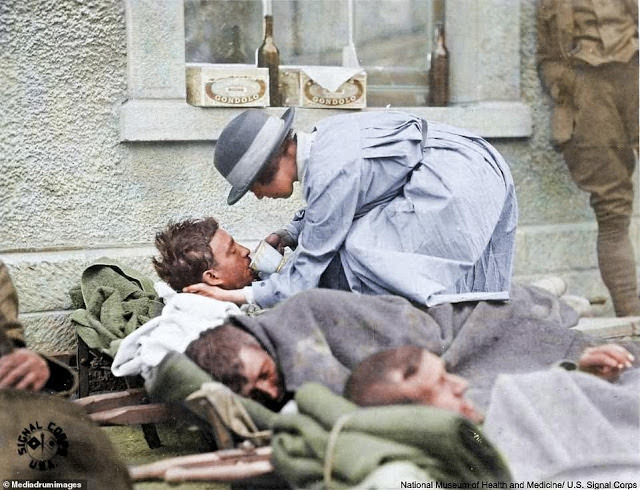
[484, 84]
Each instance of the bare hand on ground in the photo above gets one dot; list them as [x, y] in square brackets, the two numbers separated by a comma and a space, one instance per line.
[606, 361]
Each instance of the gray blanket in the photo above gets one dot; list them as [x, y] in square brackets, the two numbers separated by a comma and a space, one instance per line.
[560, 425]
[321, 335]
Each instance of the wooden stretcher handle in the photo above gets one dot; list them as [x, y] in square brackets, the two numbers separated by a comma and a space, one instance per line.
[153, 413]
[158, 469]
[229, 471]
[107, 401]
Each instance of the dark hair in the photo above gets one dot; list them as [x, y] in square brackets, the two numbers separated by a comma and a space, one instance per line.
[184, 251]
[267, 174]
[371, 383]
[217, 352]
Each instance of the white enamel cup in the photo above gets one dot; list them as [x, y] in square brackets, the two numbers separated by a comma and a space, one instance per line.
[266, 259]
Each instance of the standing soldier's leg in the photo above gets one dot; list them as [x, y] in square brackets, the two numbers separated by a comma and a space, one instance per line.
[601, 160]
[616, 257]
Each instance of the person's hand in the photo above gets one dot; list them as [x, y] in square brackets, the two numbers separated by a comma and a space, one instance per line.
[606, 361]
[277, 241]
[560, 79]
[232, 295]
[23, 369]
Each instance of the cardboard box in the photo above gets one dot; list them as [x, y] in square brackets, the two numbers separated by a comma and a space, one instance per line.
[232, 85]
[300, 89]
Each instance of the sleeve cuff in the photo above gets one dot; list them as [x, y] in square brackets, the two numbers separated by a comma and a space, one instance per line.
[248, 295]
[289, 234]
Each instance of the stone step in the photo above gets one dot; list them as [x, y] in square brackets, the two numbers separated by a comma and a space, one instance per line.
[49, 332]
[43, 279]
[610, 327]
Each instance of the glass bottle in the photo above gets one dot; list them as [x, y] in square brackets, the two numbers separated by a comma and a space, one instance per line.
[268, 56]
[235, 50]
[439, 70]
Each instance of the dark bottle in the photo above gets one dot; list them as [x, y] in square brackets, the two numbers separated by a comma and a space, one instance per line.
[268, 56]
[235, 51]
[439, 70]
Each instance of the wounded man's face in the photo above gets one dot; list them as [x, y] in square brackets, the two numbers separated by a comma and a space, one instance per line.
[263, 381]
[231, 269]
[432, 385]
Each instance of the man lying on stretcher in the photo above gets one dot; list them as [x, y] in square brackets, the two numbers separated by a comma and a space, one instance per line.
[551, 424]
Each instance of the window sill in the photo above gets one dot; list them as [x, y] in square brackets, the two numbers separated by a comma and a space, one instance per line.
[175, 120]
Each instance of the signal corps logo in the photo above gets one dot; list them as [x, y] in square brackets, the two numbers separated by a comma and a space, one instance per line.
[42, 444]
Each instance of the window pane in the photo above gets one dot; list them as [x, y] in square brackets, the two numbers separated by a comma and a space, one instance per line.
[392, 37]
[402, 33]
[387, 32]
[210, 26]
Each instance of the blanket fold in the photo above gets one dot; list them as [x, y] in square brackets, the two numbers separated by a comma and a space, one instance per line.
[447, 447]
[115, 301]
[229, 411]
[555, 421]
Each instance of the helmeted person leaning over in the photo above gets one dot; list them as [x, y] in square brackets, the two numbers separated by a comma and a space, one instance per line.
[394, 205]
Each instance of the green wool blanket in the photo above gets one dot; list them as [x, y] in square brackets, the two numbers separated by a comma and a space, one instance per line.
[112, 301]
[446, 446]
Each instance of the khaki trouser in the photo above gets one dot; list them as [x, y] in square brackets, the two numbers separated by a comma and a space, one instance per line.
[600, 156]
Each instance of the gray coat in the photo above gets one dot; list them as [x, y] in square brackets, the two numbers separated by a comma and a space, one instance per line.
[430, 218]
